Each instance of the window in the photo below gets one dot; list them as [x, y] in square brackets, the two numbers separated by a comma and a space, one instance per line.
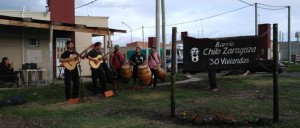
[168, 52]
[33, 42]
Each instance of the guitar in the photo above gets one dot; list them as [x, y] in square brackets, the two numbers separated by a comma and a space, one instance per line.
[70, 65]
[95, 65]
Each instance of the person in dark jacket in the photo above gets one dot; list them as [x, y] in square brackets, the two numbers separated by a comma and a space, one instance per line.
[7, 73]
[98, 73]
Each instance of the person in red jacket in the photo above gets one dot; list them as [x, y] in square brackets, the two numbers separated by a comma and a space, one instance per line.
[116, 61]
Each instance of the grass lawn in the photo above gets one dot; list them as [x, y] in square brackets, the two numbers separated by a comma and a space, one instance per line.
[292, 67]
[240, 102]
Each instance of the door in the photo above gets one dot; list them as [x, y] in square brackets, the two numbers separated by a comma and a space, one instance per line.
[60, 48]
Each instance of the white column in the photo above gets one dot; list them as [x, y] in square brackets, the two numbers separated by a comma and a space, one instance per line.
[51, 55]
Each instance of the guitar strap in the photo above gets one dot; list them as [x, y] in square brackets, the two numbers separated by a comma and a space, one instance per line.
[118, 58]
[154, 58]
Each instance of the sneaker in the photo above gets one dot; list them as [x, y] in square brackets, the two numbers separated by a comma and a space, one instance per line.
[214, 90]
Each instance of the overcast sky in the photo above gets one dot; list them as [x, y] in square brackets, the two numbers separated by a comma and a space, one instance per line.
[138, 13]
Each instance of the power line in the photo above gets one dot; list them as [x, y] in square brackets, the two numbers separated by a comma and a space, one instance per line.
[246, 2]
[273, 7]
[202, 18]
[270, 5]
[85, 4]
[192, 20]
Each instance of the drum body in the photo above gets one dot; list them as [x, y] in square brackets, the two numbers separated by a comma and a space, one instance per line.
[126, 73]
[161, 74]
[144, 74]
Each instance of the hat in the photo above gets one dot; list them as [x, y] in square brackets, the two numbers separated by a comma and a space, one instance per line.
[68, 42]
[117, 46]
[97, 44]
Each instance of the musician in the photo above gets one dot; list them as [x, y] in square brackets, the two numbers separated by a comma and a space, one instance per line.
[137, 59]
[116, 61]
[70, 75]
[153, 62]
[7, 73]
[97, 73]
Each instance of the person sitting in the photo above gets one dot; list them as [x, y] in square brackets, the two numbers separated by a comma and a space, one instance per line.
[7, 73]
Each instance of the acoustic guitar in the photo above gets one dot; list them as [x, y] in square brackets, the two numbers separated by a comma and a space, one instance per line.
[95, 65]
[70, 65]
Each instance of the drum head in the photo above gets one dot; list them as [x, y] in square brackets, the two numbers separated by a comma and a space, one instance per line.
[142, 66]
[156, 68]
[126, 66]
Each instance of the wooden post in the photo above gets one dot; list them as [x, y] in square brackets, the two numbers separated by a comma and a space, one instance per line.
[173, 72]
[163, 56]
[51, 54]
[275, 75]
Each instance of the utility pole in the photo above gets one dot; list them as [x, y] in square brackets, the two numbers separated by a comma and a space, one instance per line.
[256, 24]
[275, 74]
[158, 26]
[143, 34]
[163, 34]
[173, 71]
[289, 34]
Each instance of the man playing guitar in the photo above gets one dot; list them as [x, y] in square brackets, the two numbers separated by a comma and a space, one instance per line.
[97, 72]
[69, 57]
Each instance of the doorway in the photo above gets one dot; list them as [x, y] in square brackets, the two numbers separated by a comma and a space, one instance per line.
[60, 48]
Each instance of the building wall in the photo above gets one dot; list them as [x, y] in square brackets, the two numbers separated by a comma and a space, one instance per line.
[295, 49]
[92, 21]
[11, 40]
[83, 40]
[11, 45]
[26, 14]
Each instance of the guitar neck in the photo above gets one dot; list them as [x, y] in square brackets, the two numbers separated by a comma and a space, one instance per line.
[105, 55]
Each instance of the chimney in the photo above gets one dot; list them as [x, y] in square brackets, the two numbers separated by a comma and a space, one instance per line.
[264, 30]
[151, 41]
[62, 10]
[185, 33]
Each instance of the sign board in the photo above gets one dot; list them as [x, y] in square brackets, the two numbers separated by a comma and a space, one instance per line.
[204, 54]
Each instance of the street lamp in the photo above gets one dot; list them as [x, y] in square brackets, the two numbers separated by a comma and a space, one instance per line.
[130, 30]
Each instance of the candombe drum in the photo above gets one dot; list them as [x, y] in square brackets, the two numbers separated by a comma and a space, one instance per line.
[144, 74]
[161, 74]
[126, 72]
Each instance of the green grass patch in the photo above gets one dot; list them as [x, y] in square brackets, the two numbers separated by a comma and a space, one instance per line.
[239, 98]
[292, 67]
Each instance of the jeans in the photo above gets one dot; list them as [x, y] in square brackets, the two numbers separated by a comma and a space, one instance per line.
[154, 80]
[99, 74]
[71, 77]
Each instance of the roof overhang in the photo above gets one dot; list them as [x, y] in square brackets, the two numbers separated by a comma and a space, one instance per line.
[34, 23]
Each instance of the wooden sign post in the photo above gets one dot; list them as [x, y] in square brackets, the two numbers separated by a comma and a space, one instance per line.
[275, 74]
[173, 72]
